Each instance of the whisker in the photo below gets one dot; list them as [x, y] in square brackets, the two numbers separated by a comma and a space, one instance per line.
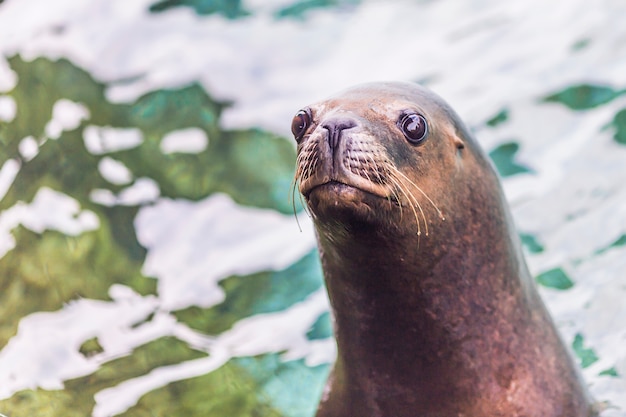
[392, 189]
[412, 202]
[441, 216]
[294, 184]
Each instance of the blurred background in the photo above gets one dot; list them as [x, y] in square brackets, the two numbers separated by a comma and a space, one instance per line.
[151, 263]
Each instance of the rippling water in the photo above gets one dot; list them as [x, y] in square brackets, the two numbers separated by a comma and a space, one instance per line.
[150, 262]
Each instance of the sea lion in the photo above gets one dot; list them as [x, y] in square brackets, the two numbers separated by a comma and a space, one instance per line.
[435, 312]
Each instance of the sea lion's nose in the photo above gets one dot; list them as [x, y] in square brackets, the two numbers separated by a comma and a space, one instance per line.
[335, 126]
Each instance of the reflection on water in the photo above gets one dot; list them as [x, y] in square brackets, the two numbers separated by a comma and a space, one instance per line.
[150, 261]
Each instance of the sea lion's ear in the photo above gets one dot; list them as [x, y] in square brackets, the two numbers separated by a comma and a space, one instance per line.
[458, 142]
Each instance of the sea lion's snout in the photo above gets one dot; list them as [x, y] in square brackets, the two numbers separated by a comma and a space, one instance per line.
[339, 148]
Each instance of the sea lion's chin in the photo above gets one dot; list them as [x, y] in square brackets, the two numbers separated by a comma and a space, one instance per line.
[344, 203]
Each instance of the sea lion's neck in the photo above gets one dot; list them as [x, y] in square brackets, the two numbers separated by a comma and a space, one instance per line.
[407, 318]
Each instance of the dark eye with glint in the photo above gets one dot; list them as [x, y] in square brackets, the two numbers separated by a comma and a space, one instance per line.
[300, 124]
[414, 127]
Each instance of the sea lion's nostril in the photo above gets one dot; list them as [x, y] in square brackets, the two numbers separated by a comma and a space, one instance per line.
[335, 126]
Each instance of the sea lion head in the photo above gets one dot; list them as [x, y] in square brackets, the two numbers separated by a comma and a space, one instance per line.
[388, 155]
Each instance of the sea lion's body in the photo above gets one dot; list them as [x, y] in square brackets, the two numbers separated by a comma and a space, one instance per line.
[435, 312]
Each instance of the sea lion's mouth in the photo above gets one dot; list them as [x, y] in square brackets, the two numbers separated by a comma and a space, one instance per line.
[343, 202]
[339, 202]
[339, 188]
[331, 183]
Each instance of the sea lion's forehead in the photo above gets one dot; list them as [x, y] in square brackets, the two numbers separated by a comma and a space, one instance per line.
[363, 107]
[382, 98]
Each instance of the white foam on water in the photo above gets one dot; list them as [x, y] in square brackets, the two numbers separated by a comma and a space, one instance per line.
[375, 41]
[192, 246]
[574, 204]
[103, 196]
[142, 191]
[283, 331]
[8, 109]
[45, 350]
[8, 77]
[105, 139]
[28, 148]
[116, 400]
[114, 171]
[49, 210]
[8, 172]
[66, 115]
[190, 140]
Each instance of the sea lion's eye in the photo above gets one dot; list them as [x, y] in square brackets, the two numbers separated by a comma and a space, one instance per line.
[414, 127]
[300, 124]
